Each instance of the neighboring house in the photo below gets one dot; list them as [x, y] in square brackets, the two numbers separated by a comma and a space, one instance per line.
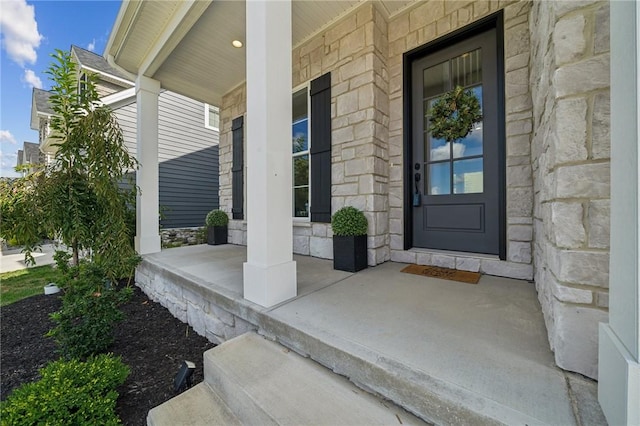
[30, 155]
[188, 139]
[526, 196]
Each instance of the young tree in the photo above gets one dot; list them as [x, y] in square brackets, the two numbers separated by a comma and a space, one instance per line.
[83, 198]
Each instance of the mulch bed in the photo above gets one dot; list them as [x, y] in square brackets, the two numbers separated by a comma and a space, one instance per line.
[150, 341]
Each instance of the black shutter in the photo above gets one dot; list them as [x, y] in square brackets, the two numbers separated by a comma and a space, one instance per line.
[237, 169]
[321, 149]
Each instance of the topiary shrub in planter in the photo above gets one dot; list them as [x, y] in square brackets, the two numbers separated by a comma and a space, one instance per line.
[349, 239]
[217, 222]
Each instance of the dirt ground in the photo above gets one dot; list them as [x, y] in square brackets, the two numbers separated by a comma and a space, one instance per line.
[150, 341]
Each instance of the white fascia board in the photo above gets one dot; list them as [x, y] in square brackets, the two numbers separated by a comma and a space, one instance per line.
[108, 76]
[122, 28]
[121, 98]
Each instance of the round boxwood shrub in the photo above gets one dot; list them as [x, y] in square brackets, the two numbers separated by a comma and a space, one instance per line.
[217, 218]
[69, 393]
[349, 221]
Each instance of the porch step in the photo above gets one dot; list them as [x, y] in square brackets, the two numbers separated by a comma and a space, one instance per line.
[251, 380]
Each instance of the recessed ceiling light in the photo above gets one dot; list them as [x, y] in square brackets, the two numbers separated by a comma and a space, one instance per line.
[236, 43]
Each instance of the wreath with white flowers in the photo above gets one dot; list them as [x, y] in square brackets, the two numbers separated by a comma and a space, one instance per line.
[454, 114]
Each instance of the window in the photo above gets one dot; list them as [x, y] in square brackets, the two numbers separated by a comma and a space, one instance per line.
[300, 149]
[82, 84]
[211, 117]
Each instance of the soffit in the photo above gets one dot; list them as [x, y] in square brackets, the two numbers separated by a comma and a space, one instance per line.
[204, 65]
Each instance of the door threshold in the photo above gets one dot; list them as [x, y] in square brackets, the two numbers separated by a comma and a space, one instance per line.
[455, 253]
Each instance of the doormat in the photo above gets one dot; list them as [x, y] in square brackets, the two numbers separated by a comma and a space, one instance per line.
[443, 273]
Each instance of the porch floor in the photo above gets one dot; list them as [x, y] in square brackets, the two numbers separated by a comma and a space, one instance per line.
[441, 349]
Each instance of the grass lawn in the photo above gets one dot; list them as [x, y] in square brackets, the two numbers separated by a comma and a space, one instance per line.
[17, 285]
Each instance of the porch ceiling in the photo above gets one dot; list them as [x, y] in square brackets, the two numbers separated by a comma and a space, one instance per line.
[186, 45]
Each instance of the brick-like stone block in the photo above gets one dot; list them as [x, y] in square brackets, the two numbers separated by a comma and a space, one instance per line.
[580, 267]
[520, 232]
[583, 181]
[571, 130]
[599, 223]
[519, 201]
[583, 76]
[443, 260]
[517, 82]
[566, 224]
[519, 175]
[568, 38]
[601, 30]
[301, 245]
[576, 337]
[403, 256]
[195, 318]
[423, 258]
[601, 127]
[519, 252]
[570, 294]
[501, 268]
[321, 247]
[468, 264]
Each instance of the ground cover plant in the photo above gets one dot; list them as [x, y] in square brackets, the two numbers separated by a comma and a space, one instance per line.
[149, 340]
[17, 285]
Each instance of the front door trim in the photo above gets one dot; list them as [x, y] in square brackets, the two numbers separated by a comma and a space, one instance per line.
[496, 21]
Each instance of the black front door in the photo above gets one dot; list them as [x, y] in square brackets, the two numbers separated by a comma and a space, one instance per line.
[458, 184]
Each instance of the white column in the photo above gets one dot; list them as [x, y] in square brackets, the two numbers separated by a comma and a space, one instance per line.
[619, 343]
[270, 272]
[147, 206]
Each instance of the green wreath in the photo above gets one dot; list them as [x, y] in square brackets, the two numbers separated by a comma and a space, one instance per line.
[454, 114]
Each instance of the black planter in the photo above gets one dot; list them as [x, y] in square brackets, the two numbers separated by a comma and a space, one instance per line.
[350, 253]
[216, 235]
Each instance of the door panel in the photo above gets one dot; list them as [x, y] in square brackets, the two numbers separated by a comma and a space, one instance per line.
[458, 182]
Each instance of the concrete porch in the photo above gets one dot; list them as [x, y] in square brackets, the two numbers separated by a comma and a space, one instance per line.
[449, 352]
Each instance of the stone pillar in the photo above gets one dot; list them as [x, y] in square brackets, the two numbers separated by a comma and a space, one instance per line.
[147, 205]
[270, 272]
[619, 344]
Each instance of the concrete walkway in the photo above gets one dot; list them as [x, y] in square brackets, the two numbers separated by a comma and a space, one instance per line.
[13, 260]
[449, 352]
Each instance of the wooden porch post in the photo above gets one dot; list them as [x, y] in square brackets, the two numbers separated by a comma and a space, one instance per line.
[619, 345]
[147, 238]
[270, 272]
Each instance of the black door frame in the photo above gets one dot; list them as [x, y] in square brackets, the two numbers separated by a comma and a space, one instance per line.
[496, 21]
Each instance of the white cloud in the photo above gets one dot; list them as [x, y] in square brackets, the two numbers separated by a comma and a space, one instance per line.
[91, 47]
[32, 79]
[20, 36]
[8, 160]
[442, 152]
[6, 136]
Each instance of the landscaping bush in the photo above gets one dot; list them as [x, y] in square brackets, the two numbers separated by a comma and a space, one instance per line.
[68, 393]
[90, 310]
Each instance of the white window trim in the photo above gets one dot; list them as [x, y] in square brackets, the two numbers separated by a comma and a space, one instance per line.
[306, 86]
[206, 117]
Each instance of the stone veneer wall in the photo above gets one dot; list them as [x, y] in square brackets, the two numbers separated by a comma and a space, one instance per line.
[190, 303]
[570, 152]
[420, 25]
[354, 50]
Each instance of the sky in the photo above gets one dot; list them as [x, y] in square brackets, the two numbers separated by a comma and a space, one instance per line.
[30, 33]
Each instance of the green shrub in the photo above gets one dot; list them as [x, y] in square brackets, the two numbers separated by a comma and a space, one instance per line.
[68, 393]
[217, 218]
[90, 310]
[349, 221]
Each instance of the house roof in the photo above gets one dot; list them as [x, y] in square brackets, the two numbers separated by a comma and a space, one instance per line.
[40, 105]
[95, 62]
